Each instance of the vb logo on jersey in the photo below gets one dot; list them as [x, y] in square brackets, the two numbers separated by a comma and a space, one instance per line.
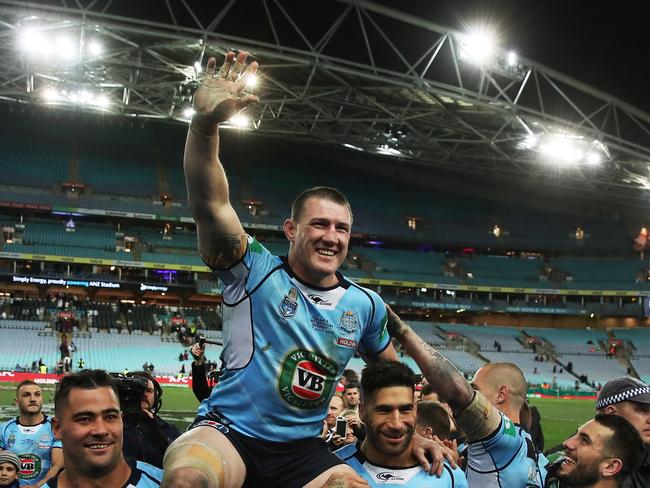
[289, 304]
[30, 466]
[306, 379]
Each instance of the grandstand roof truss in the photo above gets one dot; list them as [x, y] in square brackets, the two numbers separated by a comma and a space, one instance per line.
[364, 76]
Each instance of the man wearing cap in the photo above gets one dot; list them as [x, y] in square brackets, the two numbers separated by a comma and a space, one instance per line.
[630, 398]
[9, 467]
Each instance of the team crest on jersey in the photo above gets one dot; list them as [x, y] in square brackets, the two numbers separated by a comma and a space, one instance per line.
[306, 379]
[11, 440]
[349, 322]
[30, 466]
[289, 304]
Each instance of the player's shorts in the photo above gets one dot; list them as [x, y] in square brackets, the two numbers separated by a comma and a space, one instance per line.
[274, 464]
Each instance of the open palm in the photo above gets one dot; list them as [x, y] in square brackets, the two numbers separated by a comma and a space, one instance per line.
[219, 96]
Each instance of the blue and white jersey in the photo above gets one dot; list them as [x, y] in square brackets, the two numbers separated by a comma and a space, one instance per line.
[285, 345]
[506, 459]
[143, 475]
[382, 476]
[33, 444]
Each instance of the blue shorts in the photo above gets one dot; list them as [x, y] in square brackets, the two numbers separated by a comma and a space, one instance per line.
[290, 464]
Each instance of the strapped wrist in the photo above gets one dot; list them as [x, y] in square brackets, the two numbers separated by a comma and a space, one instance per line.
[204, 126]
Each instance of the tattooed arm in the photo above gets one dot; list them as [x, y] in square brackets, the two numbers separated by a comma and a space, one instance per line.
[449, 383]
[222, 240]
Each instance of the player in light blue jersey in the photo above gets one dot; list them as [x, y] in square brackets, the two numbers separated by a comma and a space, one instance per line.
[290, 325]
[30, 437]
[88, 421]
[500, 454]
[388, 411]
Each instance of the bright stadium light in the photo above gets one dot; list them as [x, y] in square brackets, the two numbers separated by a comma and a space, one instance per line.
[240, 120]
[66, 48]
[561, 148]
[478, 46]
[51, 94]
[188, 112]
[197, 67]
[252, 81]
[566, 149]
[95, 48]
[511, 58]
[102, 101]
[593, 159]
[33, 42]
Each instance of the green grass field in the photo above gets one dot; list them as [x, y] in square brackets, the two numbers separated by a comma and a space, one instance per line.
[560, 418]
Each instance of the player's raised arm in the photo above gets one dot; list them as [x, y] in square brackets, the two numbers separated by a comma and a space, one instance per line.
[222, 240]
[449, 383]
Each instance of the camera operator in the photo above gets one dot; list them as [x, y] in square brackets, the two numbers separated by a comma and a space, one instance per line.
[146, 435]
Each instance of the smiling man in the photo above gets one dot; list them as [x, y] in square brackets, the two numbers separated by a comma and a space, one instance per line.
[88, 422]
[290, 324]
[602, 454]
[388, 409]
[30, 437]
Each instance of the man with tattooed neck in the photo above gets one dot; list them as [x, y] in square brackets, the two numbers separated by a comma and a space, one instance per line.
[500, 452]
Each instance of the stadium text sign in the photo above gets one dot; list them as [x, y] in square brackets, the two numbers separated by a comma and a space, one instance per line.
[34, 280]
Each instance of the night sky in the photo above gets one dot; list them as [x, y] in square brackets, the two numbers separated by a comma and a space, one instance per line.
[603, 44]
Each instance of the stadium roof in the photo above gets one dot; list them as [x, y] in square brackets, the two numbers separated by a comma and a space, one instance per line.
[339, 72]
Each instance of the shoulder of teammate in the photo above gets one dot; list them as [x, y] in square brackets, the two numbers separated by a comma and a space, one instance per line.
[346, 452]
[150, 476]
[456, 476]
[4, 427]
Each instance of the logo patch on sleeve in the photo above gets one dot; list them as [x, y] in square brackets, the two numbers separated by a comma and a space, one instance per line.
[306, 379]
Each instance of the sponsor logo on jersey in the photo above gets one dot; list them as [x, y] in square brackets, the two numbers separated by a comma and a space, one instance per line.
[30, 466]
[319, 301]
[306, 379]
[388, 476]
[324, 326]
[11, 440]
[289, 304]
[342, 341]
[349, 322]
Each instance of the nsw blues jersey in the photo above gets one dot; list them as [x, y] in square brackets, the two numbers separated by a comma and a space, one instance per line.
[33, 444]
[506, 459]
[285, 345]
[415, 477]
[143, 475]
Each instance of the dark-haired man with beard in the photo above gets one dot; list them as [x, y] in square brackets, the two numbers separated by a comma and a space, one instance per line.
[602, 454]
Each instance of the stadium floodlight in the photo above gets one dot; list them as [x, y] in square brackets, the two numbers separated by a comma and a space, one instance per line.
[561, 148]
[95, 48]
[102, 101]
[51, 94]
[66, 48]
[566, 149]
[188, 112]
[240, 121]
[593, 158]
[33, 42]
[387, 150]
[351, 146]
[478, 46]
[197, 67]
[511, 59]
[251, 81]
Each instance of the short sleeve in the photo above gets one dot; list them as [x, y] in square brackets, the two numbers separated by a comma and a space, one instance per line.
[375, 338]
